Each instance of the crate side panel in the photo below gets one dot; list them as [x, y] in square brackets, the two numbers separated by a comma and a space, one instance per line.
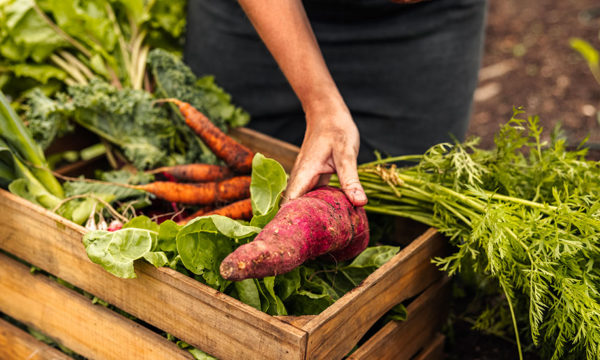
[193, 312]
[17, 344]
[405, 275]
[402, 340]
[90, 330]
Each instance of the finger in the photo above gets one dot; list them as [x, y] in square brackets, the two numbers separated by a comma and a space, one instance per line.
[301, 181]
[345, 165]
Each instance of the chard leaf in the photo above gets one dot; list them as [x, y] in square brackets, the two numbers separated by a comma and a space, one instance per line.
[202, 248]
[167, 234]
[39, 72]
[25, 34]
[116, 251]
[232, 228]
[276, 306]
[374, 257]
[288, 283]
[268, 183]
[248, 293]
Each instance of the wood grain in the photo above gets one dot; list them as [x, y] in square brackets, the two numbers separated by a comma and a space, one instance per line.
[433, 351]
[334, 332]
[17, 344]
[92, 331]
[401, 340]
[173, 302]
[269, 146]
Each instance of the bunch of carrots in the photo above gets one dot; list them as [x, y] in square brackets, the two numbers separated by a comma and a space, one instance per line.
[205, 184]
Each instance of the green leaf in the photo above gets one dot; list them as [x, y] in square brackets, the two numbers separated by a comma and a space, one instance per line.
[116, 251]
[248, 293]
[39, 72]
[269, 283]
[288, 283]
[585, 49]
[47, 119]
[202, 248]
[374, 256]
[25, 33]
[232, 228]
[200, 355]
[167, 235]
[266, 187]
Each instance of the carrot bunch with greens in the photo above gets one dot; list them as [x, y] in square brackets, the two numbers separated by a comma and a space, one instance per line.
[526, 215]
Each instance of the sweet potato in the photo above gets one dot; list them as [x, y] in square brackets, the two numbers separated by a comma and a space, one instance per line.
[321, 222]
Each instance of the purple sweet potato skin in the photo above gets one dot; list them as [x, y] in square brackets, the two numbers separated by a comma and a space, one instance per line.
[321, 222]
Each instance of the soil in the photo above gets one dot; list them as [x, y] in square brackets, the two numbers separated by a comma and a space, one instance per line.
[528, 62]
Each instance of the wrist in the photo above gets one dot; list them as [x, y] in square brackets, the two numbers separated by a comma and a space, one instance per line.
[322, 106]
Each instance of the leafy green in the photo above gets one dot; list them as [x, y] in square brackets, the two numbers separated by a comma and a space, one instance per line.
[589, 53]
[46, 118]
[116, 251]
[206, 241]
[268, 183]
[75, 41]
[16, 135]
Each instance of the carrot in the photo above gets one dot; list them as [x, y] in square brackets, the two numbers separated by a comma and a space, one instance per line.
[321, 222]
[241, 209]
[236, 156]
[204, 193]
[194, 172]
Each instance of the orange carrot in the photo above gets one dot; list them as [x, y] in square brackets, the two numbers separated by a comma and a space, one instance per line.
[236, 156]
[241, 209]
[204, 193]
[194, 172]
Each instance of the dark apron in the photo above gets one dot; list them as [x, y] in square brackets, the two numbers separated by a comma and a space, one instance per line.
[407, 72]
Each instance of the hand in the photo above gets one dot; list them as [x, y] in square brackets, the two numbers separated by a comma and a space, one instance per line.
[330, 145]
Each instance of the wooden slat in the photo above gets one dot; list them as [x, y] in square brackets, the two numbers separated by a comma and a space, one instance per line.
[433, 351]
[334, 332]
[402, 340]
[270, 147]
[175, 303]
[92, 331]
[17, 344]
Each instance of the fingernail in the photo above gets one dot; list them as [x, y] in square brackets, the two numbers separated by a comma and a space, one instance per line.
[359, 196]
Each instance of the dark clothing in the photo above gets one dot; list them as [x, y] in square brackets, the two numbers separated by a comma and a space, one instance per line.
[406, 72]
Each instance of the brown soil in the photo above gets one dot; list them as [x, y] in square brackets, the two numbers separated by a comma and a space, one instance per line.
[529, 42]
[528, 62]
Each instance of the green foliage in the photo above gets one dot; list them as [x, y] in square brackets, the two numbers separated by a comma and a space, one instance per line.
[72, 42]
[47, 119]
[526, 214]
[266, 189]
[589, 53]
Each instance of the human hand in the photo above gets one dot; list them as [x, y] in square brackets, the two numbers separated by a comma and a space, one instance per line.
[330, 145]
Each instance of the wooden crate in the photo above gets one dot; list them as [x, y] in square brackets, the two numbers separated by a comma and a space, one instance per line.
[187, 309]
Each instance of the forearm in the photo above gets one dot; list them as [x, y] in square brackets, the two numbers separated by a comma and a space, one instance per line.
[284, 28]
